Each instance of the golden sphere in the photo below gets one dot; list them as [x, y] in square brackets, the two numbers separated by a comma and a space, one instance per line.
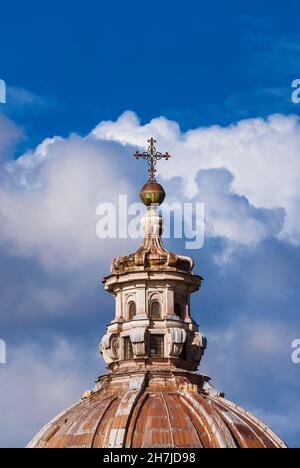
[152, 194]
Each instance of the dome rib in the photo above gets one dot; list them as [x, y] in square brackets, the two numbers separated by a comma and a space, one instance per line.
[134, 419]
[79, 436]
[236, 425]
[100, 422]
[151, 426]
[218, 432]
[103, 434]
[169, 418]
[198, 422]
[268, 438]
[186, 432]
[80, 429]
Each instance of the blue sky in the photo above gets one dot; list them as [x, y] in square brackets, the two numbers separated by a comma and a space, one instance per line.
[199, 63]
[223, 70]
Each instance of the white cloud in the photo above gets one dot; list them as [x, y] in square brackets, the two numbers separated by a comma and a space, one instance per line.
[247, 174]
[262, 156]
[48, 200]
[10, 134]
[230, 215]
[23, 97]
[20, 102]
[49, 197]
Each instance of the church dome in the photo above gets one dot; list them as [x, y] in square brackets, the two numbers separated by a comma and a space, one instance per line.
[156, 410]
[153, 395]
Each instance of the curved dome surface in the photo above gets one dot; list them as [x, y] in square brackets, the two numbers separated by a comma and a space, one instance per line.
[165, 413]
[153, 396]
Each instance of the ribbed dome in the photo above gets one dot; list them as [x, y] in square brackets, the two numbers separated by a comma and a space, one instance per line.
[152, 396]
[160, 411]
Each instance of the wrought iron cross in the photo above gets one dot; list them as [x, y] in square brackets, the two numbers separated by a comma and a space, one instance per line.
[152, 156]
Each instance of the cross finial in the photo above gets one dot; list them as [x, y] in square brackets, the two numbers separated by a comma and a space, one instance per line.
[152, 156]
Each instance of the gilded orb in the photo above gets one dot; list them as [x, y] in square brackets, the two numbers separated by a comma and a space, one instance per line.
[152, 194]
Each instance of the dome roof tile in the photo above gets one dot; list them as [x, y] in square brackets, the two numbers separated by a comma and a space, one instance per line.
[156, 416]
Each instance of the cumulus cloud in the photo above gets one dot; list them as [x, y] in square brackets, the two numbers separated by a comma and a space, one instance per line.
[262, 156]
[247, 175]
[232, 216]
[49, 196]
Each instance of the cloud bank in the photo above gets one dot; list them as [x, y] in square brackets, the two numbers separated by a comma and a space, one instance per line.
[247, 174]
[261, 157]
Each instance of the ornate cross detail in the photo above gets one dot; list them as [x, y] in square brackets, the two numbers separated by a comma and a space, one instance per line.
[152, 156]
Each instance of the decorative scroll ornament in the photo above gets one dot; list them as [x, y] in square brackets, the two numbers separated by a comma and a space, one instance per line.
[138, 340]
[177, 338]
[109, 347]
[197, 346]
